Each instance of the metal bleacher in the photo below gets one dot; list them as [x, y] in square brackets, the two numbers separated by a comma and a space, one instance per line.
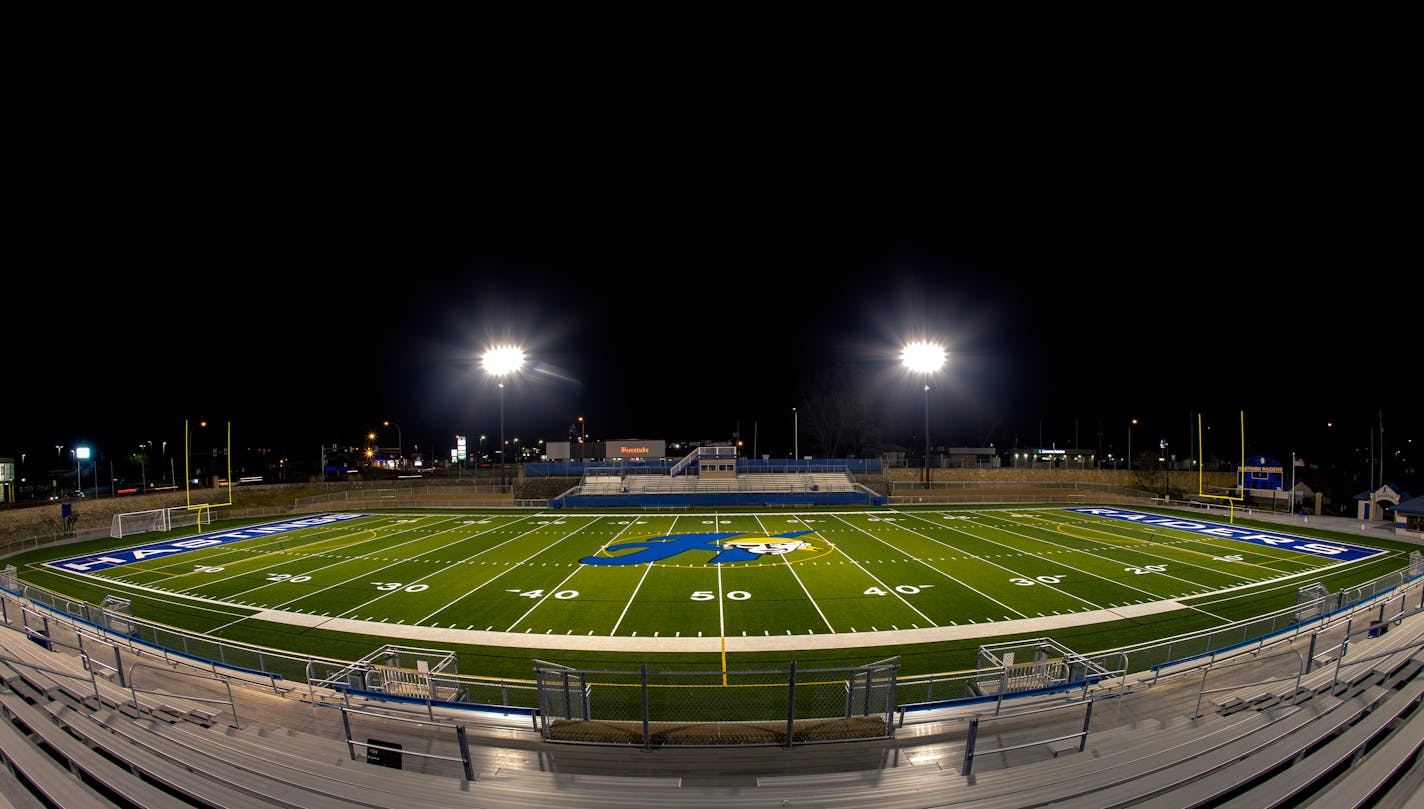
[1346, 734]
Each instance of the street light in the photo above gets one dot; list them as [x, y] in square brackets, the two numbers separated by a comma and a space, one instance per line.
[400, 442]
[1129, 444]
[499, 362]
[924, 358]
[583, 433]
[795, 437]
[1166, 459]
[188, 457]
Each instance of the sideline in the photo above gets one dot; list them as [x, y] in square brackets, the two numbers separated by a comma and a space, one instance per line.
[734, 643]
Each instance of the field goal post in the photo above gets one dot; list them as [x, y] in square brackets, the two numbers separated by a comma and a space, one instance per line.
[139, 522]
[200, 510]
[1217, 492]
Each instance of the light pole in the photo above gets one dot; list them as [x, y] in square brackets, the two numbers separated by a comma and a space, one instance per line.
[1166, 460]
[795, 437]
[400, 442]
[188, 457]
[924, 358]
[583, 434]
[499, 362]
[1129, 444]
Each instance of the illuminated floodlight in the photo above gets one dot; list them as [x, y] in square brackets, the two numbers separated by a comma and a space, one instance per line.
[503, 360]
[923, 357]
[499, 362]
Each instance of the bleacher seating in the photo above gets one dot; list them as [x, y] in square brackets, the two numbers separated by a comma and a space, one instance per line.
[1346, 737]
[747, 483]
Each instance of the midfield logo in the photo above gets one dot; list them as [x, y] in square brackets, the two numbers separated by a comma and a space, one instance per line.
[656, 549]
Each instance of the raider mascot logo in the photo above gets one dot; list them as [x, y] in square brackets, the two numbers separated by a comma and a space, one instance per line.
[656, 549]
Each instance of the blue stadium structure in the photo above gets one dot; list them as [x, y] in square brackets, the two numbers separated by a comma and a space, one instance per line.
[712, 476]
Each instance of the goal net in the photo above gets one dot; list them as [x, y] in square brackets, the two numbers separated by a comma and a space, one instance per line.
[184, 516]
[139, 522]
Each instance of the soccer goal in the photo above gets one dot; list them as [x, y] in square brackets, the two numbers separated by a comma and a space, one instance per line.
[196, 514]
[140, 522]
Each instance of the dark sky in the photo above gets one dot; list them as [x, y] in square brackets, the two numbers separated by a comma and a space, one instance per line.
[679, 295]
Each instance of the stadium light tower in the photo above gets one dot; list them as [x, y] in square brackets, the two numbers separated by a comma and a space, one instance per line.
[926, 358]
[1129, 444]
[499, 362]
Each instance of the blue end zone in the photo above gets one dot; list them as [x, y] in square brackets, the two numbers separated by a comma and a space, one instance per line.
[1328, 549]
[168, 547]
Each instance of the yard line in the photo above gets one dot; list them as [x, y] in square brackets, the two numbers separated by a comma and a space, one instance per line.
[631, 598]
[281, 541]
[799, 583]
[889, 589]
[398, 562]
[937, 571]
[634, 595]
[547, 596]
[1173, 560]
[382, 549]
[1229, 547]
[721, 605]
[1006, 546]
[509, 569]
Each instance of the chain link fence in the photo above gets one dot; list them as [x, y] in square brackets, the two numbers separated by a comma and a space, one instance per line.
[782, 707]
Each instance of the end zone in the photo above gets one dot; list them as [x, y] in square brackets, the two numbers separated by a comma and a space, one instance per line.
[1254, 536]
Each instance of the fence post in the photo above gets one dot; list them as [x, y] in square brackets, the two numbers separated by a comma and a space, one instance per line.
[465, 753]
[791, 706]
[647, 734]
[1087, 720]
[346, 723]
[969, 746]
[119, 666]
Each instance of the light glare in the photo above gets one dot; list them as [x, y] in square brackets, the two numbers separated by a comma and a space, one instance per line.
[923, 357]
[503, 360]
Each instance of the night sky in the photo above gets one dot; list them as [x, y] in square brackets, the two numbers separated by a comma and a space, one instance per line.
[694, 300]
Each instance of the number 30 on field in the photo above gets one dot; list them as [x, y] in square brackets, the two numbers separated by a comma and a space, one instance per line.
[1023, 582]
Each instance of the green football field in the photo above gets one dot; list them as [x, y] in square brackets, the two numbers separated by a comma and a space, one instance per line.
[723, 575]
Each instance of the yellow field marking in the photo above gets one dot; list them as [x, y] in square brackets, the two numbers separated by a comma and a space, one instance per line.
[724, 660]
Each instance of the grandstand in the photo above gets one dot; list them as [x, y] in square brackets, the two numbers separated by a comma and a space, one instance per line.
[91, 719]
[712, 476]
